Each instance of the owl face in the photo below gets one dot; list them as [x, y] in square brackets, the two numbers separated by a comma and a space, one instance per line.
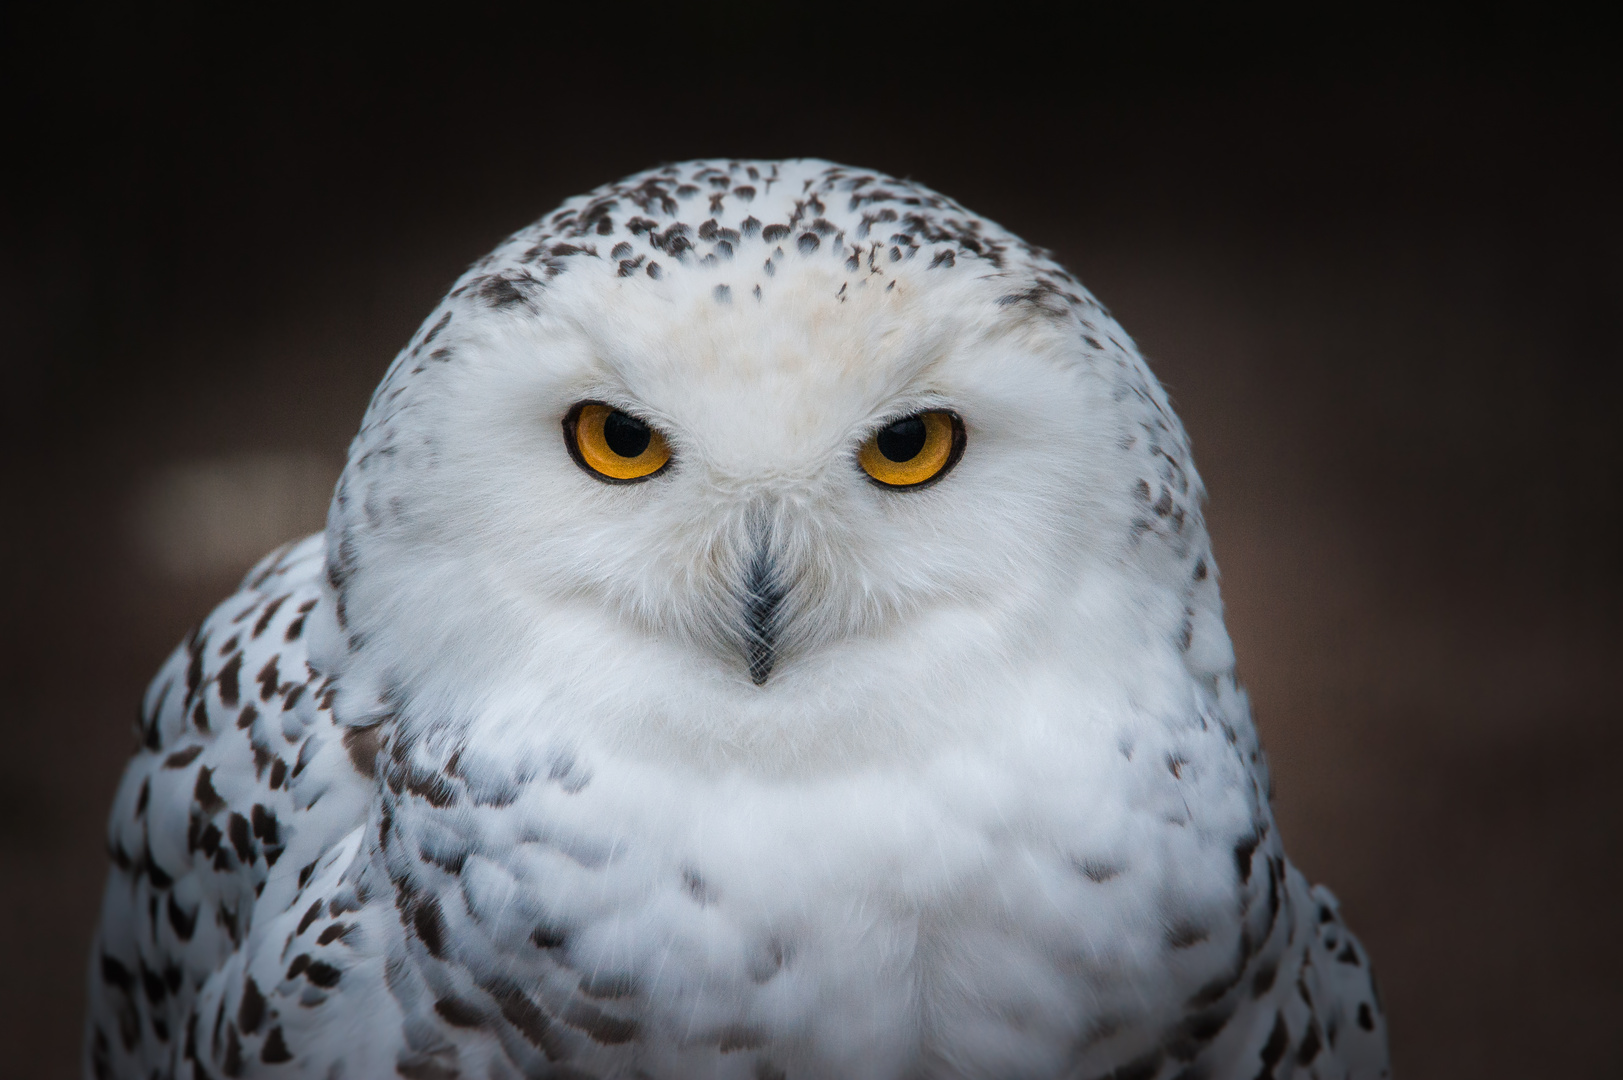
[762, 502]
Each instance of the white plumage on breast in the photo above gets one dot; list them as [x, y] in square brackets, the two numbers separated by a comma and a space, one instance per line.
[749, 733]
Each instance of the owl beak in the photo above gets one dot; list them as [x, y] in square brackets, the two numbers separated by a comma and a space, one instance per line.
[763, 595]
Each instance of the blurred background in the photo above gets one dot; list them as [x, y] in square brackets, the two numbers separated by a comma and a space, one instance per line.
[1377, 260]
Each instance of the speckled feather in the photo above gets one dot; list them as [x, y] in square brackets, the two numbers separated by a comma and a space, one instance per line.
[479, 783]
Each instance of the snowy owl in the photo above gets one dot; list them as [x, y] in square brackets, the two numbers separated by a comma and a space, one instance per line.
[765, 628]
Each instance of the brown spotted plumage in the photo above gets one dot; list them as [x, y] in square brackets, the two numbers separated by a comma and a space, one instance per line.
[752, 764]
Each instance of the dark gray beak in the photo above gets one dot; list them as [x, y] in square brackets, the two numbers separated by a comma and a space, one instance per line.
[763, 595]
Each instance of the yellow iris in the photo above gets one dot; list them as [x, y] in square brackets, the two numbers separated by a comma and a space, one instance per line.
[913, 450]
[614, 446]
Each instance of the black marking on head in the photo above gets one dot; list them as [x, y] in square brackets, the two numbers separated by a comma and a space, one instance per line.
[673, 241]
[773, 233]
[808, 243]
[506, 290]
[723, 294]
[433, 333]
[654, 271]
[1044, 295]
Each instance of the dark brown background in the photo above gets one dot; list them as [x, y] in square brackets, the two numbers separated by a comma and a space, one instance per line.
[1378, 263]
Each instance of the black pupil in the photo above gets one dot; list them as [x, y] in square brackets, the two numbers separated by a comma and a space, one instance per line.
[626, 435]
[902, 440]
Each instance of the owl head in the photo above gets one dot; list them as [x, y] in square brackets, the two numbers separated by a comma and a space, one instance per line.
[770, 465]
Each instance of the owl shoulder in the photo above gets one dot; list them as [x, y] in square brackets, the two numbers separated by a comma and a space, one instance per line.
[210, 804]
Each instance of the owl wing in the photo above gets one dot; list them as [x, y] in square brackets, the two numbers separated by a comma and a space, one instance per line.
[218, 805]
[1313, 1011]
[1343, 1029]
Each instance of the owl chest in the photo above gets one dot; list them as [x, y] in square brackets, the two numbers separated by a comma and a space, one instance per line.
[701, 938]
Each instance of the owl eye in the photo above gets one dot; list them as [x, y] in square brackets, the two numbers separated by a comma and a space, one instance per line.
[914, 450]
[613, 446]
